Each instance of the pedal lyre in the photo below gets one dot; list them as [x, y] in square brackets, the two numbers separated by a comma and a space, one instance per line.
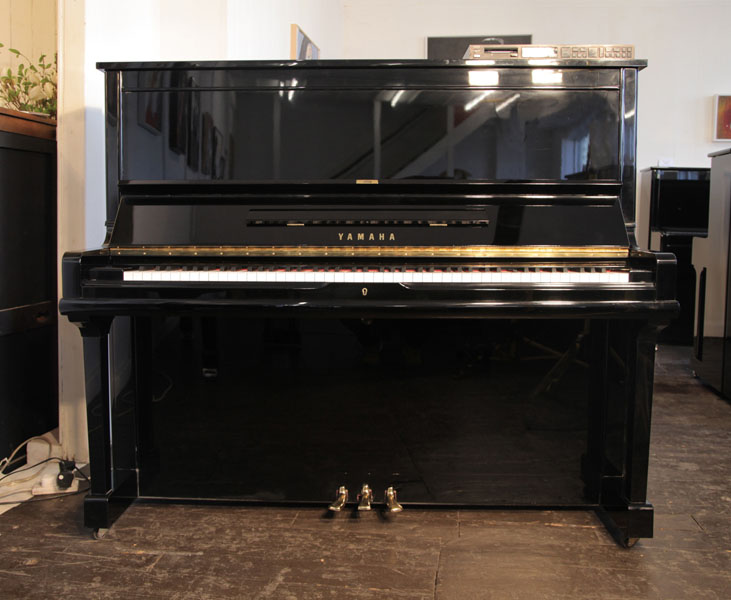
[340, 500]
[365, 498]
[391, 500]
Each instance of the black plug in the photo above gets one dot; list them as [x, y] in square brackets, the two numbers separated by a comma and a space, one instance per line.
[65, 477]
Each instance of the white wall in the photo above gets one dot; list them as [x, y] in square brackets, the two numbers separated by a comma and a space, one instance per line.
[94, 31]
[180, 30]
[255, 27]
[685, 41]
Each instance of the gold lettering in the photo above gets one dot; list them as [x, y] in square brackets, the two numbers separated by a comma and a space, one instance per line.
[350, 237]
[391, 237]
[361, 236]
[381, 237]
[371, 237]
[340, 236]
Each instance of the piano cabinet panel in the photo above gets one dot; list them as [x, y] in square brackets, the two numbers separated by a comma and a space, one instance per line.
[194, 134]
[476, 412]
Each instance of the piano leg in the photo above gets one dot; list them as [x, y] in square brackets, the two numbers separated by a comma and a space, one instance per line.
[102, 505]
[615, 467]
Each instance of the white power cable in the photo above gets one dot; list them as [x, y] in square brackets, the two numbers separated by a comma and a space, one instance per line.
[6, 461]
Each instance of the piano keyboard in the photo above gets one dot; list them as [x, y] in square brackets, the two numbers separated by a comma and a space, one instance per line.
[379, 275]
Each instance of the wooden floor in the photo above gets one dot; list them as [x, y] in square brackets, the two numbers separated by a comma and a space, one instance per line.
[174, 551]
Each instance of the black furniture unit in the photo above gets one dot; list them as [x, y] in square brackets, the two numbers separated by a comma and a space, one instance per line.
[28, 331]
[711, 353]
[418, 275]
[678, 202]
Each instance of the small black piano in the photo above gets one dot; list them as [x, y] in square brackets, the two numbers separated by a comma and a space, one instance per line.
[372, 284]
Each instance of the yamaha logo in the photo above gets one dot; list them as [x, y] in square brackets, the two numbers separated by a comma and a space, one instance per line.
[367, 237]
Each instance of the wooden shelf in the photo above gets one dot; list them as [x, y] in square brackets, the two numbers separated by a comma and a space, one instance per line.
[15, 121]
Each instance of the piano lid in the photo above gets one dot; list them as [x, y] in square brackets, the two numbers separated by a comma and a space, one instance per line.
[359, 64]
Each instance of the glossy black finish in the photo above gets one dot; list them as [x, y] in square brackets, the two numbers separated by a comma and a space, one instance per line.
[404, 121]
[679, 200]
[286, 220]
[680, 331]
[712, 345]
[226, 67]
[244, 392]
[28, 330]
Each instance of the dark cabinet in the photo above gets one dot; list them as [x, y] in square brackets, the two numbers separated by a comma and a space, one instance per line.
[28, 331]
[712, 354]
[677, 198]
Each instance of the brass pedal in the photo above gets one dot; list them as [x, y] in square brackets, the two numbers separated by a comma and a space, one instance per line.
[340, 500]
[365, 498]
[391, 500]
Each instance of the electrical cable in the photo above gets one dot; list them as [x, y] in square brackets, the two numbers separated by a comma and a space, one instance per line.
[48, 497]
[39, 498]
[6, 461]
[27, 468]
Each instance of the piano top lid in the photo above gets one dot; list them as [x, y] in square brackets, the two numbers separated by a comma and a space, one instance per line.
[371, 64]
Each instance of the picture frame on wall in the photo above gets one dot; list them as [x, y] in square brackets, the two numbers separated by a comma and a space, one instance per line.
[301, 46]
[149, 104]
[178, 117]
[194, 126]
[722, 118]
[206, 143]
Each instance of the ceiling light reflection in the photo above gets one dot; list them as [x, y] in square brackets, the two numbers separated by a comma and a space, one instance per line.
[475, 101]
[483, 77]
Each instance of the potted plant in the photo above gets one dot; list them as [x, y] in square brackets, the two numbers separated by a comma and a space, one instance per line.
[33, 87]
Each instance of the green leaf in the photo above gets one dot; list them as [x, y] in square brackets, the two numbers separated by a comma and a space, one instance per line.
[43, 56]
[2, 45]
[10, 73]
[33, 68]
[14, 51]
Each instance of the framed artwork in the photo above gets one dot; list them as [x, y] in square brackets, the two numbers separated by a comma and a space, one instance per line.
[206, 143]
[722, 118]
[178, 116]
[194, 126]
[218, 152]
[149, 104]
[302, 47]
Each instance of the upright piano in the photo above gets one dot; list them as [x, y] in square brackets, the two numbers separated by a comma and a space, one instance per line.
[340, 282]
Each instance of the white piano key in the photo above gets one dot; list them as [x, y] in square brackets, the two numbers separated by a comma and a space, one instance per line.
[587, 275]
